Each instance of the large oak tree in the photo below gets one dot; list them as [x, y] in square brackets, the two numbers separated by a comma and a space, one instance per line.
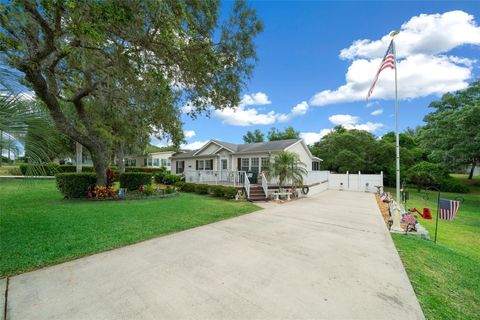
[99, 66]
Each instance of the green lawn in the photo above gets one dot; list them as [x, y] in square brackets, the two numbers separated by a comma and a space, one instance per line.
[39, 228]
[446, 275]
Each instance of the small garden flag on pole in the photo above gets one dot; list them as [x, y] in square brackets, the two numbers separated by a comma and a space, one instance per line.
[448, 209]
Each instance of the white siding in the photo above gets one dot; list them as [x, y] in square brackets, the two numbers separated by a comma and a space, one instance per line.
[303, 154]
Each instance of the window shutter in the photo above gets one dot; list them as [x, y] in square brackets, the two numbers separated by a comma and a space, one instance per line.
[239, 164]
[196, 164]
[211, 164]
[176, 166]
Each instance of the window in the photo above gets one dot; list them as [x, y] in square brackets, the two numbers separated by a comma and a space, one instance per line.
[224, 164]
[156, 162]
[315, 165]
[180, 166]
[130, 162]
[265, 163]
[204, 164]
[245, 164]
[149, 162]
[164, 162]
[254, 164]
[208, 164]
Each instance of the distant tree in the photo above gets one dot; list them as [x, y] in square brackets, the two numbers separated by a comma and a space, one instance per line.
[354, 150]
[253, 137]
[452, 132]
[289, 133]
[152, 56]
[287, 167]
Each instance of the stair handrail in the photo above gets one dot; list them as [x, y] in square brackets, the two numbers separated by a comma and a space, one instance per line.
[264, 184]
[246, 184]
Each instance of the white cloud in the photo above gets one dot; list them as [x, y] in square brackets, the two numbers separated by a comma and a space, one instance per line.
[194, 145]
[424, 68]
[255, 99]
[312, 137]
[299, 110]
[377, 112]
[343, 119]
[189, 133]
[351, 122]
[429, 34]
[249, 116]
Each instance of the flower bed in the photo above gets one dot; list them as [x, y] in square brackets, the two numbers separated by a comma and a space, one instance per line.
[100, 193]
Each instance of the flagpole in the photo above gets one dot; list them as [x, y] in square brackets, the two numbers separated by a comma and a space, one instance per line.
[397, 138]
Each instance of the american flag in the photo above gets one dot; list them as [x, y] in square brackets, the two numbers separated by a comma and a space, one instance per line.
[448, 209]
[387, 62]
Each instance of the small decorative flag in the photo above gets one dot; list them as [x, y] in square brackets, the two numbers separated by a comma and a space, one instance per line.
[387, 62]
[448, 209]
[409, 219]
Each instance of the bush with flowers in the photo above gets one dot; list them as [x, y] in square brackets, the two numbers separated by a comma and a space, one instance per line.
[102, 193]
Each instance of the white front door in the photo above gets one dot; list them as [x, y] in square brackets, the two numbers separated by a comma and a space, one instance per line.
[224, 164]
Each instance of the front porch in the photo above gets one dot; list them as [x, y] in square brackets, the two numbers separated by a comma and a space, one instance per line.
[255, 184]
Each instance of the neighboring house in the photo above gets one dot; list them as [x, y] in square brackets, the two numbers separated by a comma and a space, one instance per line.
[219, 162]
[154, 159]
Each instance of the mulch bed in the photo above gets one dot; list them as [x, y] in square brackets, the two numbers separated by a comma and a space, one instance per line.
[383, 206]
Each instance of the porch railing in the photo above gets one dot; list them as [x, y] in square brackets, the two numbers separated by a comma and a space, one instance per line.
[246, 184]
[223, 177]
[264, 184]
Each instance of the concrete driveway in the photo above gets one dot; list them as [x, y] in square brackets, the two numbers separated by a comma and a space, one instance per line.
[325, 257]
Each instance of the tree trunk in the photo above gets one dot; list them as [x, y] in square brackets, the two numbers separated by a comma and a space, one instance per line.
[472, 170]
[121, 159]
[78, 157]
[100, 164]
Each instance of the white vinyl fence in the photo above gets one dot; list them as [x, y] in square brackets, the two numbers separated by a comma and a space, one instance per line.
[355, 181]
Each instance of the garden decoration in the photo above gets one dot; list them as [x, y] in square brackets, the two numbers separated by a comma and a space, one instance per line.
[426, 214]
[410, 220]
[395, 211]
[122, 192]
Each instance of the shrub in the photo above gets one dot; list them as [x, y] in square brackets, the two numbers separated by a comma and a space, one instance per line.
[102, 192]
[189, 187]
[75, 185]
[131, 180]
[425, 174]
[73, 168]
[169, 190]
[230, 192]
[217, 191]
[201, 188]
[158, 177]
[170, 179]
[148, 190]
[450, 185]
[144, 169]
[180, 185]
[15, 171]
[49, 169]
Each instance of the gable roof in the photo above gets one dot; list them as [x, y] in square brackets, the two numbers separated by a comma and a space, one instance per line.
[269, 146]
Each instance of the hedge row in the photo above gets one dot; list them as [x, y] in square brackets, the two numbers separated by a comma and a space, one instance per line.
[51, 169]
[132, 180]
[166, 178]
[216, 191]
[75, 185]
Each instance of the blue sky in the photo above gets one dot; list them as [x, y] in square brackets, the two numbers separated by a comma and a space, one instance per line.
[299, 57]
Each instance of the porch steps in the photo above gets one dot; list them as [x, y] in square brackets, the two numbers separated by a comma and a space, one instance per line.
[256, 193]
